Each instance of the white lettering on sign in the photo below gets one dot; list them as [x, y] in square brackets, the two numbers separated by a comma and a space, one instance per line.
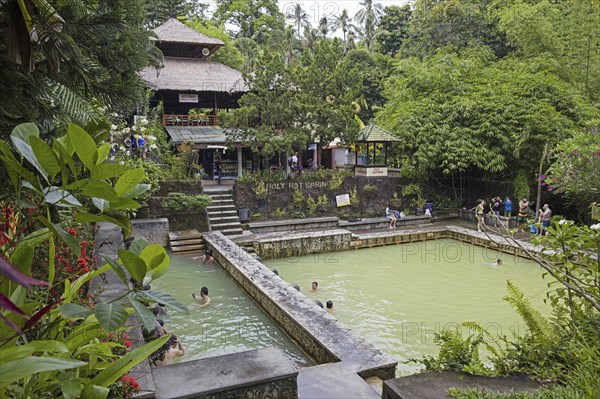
[296, 185]
[188, 98]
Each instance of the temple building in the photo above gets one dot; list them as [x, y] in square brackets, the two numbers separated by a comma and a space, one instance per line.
[195, 91]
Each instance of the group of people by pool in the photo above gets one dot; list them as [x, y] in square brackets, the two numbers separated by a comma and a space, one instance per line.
[544, 214]
[173, 348]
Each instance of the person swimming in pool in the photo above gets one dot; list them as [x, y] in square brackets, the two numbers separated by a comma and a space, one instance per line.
[204, 298]
[497, 263]
[207, 257]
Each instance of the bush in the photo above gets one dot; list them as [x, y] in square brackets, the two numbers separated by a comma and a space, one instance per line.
[179, 202]
[370, 190]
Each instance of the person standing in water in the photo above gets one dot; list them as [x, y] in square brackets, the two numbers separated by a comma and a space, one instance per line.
[204, 298]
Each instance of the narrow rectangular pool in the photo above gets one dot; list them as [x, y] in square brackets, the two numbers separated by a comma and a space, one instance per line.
[233, 322]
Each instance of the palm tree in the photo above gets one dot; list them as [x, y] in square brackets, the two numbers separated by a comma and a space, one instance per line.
[324, 26]
[367, 18]
[310, 37]
[299, 16]
[285, 42]
[83, 61]
[370, 11]
[342, 22]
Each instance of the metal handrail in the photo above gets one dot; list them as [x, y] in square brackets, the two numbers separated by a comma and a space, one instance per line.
[186, 120]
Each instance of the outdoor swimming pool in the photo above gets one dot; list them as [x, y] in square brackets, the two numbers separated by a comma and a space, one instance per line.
[398, 296]
[231, 323]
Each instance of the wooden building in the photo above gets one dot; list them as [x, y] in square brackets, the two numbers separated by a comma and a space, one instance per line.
[194, 90]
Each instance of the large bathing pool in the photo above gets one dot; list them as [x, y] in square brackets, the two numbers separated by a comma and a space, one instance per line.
[231, 323]
[398, 296]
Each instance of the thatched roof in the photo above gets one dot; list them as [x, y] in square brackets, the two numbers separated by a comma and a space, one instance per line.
[192, 74]
[374, 134]
[174, 31]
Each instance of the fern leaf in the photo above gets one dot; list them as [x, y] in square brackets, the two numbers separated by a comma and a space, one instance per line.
[538, 326]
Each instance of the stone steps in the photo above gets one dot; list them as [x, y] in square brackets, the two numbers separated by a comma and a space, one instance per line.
[222, 215]
[228, 212]
[187, 241]
[232, 232]
[224, 226]
[217, 208]
[217, 197]
[222, 202]
[224, 219]
[193, 241]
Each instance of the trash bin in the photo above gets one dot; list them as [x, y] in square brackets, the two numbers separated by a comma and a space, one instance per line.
[244, 214]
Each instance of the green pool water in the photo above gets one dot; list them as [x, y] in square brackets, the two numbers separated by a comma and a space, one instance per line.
[232, 323]
[398, 296]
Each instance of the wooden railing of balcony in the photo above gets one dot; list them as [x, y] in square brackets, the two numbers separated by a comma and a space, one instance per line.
[186, 120]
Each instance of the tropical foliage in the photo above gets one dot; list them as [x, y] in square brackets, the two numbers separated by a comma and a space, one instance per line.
[465, 110]
[54, 345]
[292, 105]
[71, 61]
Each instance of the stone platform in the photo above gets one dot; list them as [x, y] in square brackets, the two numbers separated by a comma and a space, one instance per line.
[435, 385]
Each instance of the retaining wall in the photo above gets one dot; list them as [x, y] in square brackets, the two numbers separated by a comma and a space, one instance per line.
[155, 231]
[302, 243]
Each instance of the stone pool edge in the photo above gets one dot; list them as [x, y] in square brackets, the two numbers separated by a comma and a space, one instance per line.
[317, 332]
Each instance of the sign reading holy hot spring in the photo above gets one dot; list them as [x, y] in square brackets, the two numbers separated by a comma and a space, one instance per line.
[295, 185]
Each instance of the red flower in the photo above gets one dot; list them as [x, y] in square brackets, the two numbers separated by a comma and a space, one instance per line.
[72, 231]
[127, 343]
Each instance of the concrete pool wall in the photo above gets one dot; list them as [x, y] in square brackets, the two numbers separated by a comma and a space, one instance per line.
[273, 246]
[337, 349]
[321, 335]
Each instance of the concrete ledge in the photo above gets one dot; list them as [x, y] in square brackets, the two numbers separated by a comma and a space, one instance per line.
[293, 224]
[435, 385]
[320, 334]
[380, 223]
[108, 241]
[277, 245]
[256, 373]
[155, 231]
[489, 219]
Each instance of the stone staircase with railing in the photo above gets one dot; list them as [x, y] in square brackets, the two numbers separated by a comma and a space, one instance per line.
[222, 215]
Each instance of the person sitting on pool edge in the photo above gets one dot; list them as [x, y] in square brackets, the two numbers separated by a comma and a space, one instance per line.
[315, 286]
[207, 257]
[205, 299]
[391, 216]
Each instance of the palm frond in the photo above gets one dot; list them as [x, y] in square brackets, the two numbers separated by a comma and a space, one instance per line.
[75, 106]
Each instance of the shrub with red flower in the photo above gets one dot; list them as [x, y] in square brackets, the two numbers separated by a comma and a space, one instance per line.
[15, 223]
[124, 388]
[120, 343]
[67, 264]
